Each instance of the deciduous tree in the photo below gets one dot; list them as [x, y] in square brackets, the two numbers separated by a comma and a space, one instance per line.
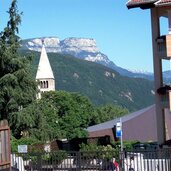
[108, 112]
[75, 111]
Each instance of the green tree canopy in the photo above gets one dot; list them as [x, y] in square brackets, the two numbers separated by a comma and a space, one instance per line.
[60, 114]
[39, 120]
[108, 112]
[75, 111]
[18, 88]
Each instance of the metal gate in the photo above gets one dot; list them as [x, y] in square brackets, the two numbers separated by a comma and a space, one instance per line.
[61, 160]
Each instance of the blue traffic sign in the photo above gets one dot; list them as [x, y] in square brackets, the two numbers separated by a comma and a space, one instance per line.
[118, 129]
[118, 134]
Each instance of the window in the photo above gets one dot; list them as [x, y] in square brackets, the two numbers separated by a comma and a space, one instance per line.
[44, 84]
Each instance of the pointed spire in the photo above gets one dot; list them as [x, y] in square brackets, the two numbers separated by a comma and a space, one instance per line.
[44, 68]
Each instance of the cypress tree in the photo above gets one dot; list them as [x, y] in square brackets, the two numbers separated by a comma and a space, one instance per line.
[17, 86]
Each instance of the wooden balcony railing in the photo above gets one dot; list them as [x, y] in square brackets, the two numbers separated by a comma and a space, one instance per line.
[164, 46]
[165, 95]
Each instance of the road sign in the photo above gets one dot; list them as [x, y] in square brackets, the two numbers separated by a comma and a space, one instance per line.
[22, 148]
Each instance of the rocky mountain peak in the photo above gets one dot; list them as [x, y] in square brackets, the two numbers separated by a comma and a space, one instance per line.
[48, 41]
[82, 48]
[79, 44]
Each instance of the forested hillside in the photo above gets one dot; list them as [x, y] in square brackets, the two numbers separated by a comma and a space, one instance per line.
[101, 84]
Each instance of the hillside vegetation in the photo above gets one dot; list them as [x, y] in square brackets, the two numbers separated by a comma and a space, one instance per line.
[101, 84]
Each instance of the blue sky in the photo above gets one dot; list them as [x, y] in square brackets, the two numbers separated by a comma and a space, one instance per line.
[123, 35]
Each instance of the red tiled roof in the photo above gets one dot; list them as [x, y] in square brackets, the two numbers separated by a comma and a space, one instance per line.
[147, 3]
[162, 2]
[138, 3]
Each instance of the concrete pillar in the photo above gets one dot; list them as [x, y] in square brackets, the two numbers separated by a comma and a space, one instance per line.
[169, 21]
[169, 24]
[158, 81]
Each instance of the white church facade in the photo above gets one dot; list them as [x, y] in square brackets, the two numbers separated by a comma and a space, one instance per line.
[44, 76]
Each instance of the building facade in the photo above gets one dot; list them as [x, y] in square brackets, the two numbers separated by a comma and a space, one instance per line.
[161, 51]
[139, 126]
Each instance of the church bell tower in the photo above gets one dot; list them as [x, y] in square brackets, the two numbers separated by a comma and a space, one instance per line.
[44, 74]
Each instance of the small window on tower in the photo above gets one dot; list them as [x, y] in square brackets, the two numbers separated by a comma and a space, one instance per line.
[47, 84]
[44, 84]
[41, 84]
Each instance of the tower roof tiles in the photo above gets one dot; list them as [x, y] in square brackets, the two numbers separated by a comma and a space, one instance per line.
[44, 70]
[147, 3]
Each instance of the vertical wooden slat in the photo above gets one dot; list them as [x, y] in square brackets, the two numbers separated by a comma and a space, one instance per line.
[0, 148]
[4, 145]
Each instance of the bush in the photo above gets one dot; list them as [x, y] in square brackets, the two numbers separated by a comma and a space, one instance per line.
[103, 152]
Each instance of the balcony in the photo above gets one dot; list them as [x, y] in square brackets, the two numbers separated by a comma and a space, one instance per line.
[165, 96]
[165, 101]
[164, 47]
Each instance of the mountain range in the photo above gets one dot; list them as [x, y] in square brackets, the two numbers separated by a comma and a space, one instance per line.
[101, 84]
[82, 48]
[79, 66]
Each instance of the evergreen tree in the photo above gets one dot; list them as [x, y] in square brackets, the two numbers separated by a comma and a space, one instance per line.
[18, 88]
[58, 114]
[39, 120]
